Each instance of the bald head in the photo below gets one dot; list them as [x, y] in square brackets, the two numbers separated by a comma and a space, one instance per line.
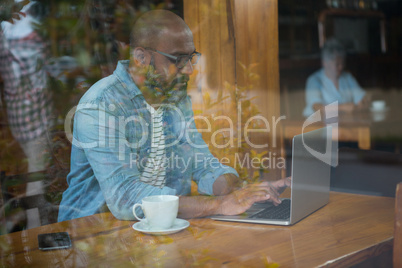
[151, 26]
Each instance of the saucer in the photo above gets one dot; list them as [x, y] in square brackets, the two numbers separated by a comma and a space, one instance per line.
[178, 225]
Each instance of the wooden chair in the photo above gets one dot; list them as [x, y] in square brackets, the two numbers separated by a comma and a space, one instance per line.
[27, 203]
[397, 259]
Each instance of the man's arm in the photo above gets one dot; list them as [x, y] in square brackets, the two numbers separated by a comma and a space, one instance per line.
[229, 197]
[234, 201]
[225, 184]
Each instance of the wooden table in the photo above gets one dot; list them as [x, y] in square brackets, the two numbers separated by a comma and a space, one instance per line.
[359, 133]
[349, 230]
[354, 127]
[362, 127]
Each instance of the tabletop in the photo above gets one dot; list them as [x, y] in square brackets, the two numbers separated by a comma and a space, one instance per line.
[361, 126]
[348, 230]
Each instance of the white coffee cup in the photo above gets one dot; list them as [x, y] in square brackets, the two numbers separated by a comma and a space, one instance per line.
[378, 105]
[160, 211]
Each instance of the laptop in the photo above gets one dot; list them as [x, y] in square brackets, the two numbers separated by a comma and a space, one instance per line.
[311, 158]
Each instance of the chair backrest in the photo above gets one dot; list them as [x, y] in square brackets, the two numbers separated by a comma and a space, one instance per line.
[27, 201]
[398, 227]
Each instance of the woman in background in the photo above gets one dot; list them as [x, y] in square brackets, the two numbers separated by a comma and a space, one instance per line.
[331, 83]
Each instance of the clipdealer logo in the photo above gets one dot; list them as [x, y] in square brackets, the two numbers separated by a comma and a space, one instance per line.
[330, 156]
[111, 125]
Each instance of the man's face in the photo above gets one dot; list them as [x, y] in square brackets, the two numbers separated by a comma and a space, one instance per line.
[171, 79]
[334, 66]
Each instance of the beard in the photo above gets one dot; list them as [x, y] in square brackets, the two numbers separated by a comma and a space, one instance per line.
[165, 92]
[177, 90]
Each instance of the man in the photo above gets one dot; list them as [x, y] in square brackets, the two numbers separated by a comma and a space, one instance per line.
[134, 135]
[332, 83]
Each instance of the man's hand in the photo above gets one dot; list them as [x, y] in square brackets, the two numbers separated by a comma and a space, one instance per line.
[233, 203]
[281, 185]
[240, 200]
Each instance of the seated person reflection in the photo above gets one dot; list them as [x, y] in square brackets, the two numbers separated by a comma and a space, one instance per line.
[134, 135]
[332, 83]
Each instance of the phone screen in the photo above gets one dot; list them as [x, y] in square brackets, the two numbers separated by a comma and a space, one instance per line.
[54, 241]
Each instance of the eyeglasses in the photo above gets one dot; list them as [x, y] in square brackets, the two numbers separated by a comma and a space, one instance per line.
[180, 61]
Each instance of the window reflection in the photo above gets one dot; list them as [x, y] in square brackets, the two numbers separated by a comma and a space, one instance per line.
[372, 56]
[369, 33]
[72, 45]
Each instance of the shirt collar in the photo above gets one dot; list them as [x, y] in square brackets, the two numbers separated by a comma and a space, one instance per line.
[124, 76]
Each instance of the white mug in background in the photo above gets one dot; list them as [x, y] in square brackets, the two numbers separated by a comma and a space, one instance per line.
[160, 211]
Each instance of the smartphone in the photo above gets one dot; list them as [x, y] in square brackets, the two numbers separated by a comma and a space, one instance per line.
[52, 241]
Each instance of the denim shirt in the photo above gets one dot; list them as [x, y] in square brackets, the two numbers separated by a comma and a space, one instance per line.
[111, 143]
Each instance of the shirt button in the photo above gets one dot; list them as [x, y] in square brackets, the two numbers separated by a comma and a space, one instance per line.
[147, 124]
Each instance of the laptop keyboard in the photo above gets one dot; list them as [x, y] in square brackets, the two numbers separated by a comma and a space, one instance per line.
[280, 212]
